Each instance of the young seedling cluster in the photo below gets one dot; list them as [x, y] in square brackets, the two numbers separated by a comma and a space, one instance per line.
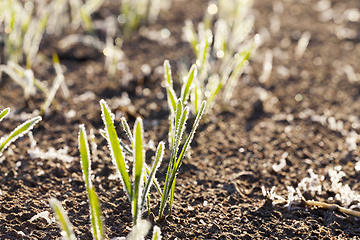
[143, 177]
[132, 12]
[141, 227]
[23, 34]
[220, 56]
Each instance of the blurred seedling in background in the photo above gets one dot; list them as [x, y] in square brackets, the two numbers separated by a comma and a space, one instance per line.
[22, 129]
[24, 26]
[132, 12]
[222, 49]
[98, 230]
[23, 34]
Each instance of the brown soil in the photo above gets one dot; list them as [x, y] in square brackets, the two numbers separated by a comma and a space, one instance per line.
[218, 192]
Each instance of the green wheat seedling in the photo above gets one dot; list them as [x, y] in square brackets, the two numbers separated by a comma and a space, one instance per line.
[17, 132]
[95, 210]
[178, 123]
[143, 177]
[96, 218]
[138, 232]
[222, 56]
[138, 189]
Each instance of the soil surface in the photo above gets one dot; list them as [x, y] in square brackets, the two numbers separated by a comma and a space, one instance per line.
[306, 113]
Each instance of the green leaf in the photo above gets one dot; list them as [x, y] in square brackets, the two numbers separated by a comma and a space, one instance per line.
[63, 220]
[127, 130]
[138, 169]
[191, 135]
[170, 180]
[191, 35]
[96, 217]
[186, 87]
[4, 113]
[85, 156]
[124, 147]
[158, 158]
[171, 95]
[175, 135]
[167, 74]
[114, 146]
[172, 196]
[180, 131]
[19, 132]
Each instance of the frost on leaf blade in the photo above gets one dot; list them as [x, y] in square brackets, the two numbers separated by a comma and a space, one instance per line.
[139, 155]
[151, 176]
[4, 113]
[192, 133]
[19, 132]
[85, 155]
[114, 146]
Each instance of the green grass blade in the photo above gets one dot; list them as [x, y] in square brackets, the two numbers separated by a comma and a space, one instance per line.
[127, 130]
[171, 95]
[59, 72]
[115, 148]
[158, 158]
[186, 87]
[4, 113]
[172, 196]
[204, 52]
[86, 10]
[167, 73]
[180, 130]
[85, 156]
[156, 233]
[191, 135]
[59, 81]
[171, 100]
[178, 113]
[235, 75]
[124, 147]
[96, 217]
[191, 35]
[91, 6]
[155, 182]
[19, 132]
[138, 169]
[196, 98]
[86, 19]
[63, 220]
[175, 137]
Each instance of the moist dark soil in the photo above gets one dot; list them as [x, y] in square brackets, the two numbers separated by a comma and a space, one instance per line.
[218, 190]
